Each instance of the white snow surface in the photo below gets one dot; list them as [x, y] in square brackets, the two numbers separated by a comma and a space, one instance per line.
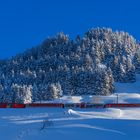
[76, 124]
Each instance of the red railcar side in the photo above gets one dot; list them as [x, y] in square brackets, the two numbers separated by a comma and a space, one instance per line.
[45, 105]
[15, 105]
[120, 105]
[69, 105]
[3, 105]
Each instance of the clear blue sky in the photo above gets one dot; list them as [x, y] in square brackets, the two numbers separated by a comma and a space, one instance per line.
[25, 23]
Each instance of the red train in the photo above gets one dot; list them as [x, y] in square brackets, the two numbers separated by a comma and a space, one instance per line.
[69, 105]
[12, 105]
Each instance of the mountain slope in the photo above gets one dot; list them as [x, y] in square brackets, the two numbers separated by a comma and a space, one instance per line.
[61, 66]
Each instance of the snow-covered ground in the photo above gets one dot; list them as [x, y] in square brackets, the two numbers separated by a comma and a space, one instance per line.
[69, 124]
[76, 124]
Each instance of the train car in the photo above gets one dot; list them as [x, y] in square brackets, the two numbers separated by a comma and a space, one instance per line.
[83, 105]
[90, 105]
[120, 105]
[3, 105]
[45, 105]
[16, 105]
[70, 105]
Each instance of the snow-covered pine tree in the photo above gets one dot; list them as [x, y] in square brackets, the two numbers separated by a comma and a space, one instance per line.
[54, 91]
[136, 61]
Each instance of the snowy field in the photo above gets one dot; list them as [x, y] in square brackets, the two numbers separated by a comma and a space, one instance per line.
[76, 124]
[69, 124]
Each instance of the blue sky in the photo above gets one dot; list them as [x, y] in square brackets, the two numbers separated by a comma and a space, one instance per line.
[26, 23]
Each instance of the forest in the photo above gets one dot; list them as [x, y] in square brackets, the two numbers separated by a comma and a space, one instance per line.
[87, 65]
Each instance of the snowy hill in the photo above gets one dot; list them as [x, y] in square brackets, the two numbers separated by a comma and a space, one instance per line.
[59, 66]
[74, 124]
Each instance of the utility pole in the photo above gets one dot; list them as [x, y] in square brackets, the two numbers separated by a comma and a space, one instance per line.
[117, 98]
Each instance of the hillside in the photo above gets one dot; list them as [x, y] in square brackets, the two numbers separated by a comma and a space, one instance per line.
[126, 92]
[59, 66]
[72, 123]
